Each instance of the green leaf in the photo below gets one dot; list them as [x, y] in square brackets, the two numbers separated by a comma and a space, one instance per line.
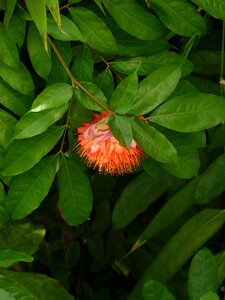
[37, 283]
[154, 89]
[218, 138]
[53, 6]
[22, 155]
[137, 196]
[40, 59]
[183, 87]
[94, 31]
[148, 64]
[202, 275]
[131, 46]
[186, 241]
[178, 204]
[34, 123]
[211, 182]
[86, 100]
[134, 19]
[190, 113]
[8, 50]
[22, 237]
[58, 73]
[204, 85]
[188, 157]
[68, 31]
[53, 96]
[220, 262]
[75, 195]
[10, 6]
[105, 82]
[210, 296]
[19, 78]
[16, 30]
[37, 10]
[29, 189]
[5, 295]
[7, 124]
[153, 290]
[207, 62]
[121, 129]
[83, 66]
[15, 290]
[154, 143]
[179, 16]
[9, 257]
[124, 95]
[213, 7]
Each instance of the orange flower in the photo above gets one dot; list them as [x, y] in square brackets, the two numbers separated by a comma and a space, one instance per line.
[102, 151]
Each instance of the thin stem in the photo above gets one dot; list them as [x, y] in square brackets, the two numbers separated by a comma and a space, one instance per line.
[76, 83]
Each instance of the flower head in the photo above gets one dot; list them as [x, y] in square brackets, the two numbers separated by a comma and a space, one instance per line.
[102, 151]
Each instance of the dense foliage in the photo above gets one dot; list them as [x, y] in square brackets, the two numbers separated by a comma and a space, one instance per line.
[156, 68]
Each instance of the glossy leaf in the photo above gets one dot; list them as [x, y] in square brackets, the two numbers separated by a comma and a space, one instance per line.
[75, 196]
[29, 189]
[105, 82]
[87, 100]
[124, 95]
[148, 64]
[58, 73]
[14, 101]
[154, 143]
[16, 29]
[15, 290]
[188, 157]
[137, 196]
[190, 113]
[94, 30]
[8, 50]
[210, 296]
[37, 10]
[183, 87]
[34, 283]
[211, 183]
[202, 275]
[121, 129]
[5, 295]
[83, 66]
[68, 31]
[9, 257]
[19, 78]
[10, 6]
[34, 123]
[178, 204]
[207, 62]
[128, 45]
[53, 6]
[133, 19]
[186, 241]
[153, 290]
[213, 7]
[179, 16]
[7, 124]
[23, 237]
[154, 89]
[40, 59]
[22, 155]
[218, 138]
[53, 96]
